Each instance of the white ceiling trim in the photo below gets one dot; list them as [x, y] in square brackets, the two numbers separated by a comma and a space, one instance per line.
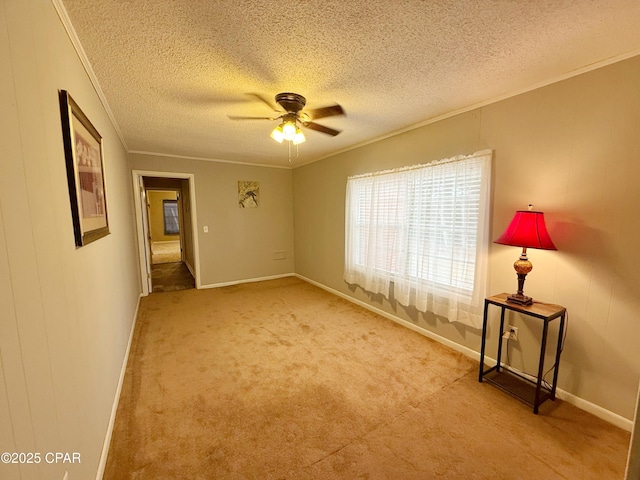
[574, 73]
[190, 137]
[216, 160]
[75, 41]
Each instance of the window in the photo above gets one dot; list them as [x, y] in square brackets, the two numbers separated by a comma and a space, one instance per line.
[170, 213]
[420, 234]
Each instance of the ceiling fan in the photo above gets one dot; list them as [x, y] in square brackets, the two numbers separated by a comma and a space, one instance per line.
[292, 114]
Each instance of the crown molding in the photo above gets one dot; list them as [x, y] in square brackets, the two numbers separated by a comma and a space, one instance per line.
[75, 41]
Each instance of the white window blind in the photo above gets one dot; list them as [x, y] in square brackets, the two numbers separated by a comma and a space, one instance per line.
[170, 212]
[421, 234]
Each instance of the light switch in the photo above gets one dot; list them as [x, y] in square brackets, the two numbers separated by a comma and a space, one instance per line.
[206, 229]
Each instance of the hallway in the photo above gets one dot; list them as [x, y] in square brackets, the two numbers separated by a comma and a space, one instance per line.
[170, 277]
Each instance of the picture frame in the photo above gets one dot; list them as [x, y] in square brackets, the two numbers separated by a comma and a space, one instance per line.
[248, 194]
[85, 173]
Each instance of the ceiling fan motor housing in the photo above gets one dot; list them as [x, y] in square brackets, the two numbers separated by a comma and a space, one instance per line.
[291, 102]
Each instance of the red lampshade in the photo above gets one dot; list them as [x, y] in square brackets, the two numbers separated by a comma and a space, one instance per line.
[527, 229]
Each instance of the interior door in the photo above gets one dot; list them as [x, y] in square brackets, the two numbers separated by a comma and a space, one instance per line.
[146, 232]
[181, 224]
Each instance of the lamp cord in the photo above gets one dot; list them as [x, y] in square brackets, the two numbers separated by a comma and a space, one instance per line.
[564, 338]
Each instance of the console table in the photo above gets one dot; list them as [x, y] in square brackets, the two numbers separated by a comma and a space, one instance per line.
[531, 392]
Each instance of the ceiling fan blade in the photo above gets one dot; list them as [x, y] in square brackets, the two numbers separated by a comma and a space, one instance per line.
[263, 100]
[321, 128]
[235, 117]
[323, 112]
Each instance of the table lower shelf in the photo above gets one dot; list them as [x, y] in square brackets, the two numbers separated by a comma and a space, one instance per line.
[516, 385]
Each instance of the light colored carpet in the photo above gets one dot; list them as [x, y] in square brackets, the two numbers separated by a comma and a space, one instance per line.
[165, 252]
[282, 380]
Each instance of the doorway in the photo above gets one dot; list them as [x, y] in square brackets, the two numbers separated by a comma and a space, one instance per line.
[169, 271]
[165, 221]
[167, 241]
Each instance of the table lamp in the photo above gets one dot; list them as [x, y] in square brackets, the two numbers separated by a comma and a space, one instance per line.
[526, 230]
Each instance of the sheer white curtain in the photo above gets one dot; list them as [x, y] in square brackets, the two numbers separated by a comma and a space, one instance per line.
[421, 235]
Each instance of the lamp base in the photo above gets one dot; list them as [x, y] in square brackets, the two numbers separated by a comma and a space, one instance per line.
[519, 299]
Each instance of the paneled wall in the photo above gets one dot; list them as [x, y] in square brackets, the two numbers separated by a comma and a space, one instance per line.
[65, 313]
[573, 150]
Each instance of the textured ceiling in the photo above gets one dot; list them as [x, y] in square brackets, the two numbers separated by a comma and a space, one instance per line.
[172, 70]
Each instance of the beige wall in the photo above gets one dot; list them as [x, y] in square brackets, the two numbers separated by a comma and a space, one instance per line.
[573, 150]
[156, 215]
[241, 242]
[65, 313]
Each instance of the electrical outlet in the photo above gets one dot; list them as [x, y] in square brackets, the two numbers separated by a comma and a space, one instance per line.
[513, 333]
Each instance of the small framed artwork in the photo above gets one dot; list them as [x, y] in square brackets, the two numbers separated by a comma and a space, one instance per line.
[248, 194]
[85, 173]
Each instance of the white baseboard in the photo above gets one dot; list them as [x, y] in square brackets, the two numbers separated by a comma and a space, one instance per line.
[597, 410]
[574, 400]
[116, 400]
[445, 341]
[248, 280]
[581, 403]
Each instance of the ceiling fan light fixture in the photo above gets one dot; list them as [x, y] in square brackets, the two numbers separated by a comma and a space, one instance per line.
[298, 137]
[293, 117]
[277, 134]
[289, 130]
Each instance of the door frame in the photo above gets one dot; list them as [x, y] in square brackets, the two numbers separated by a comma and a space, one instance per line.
[141, 228]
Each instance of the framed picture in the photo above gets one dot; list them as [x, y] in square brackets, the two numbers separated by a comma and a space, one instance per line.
[248, 194]
[85, 173]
